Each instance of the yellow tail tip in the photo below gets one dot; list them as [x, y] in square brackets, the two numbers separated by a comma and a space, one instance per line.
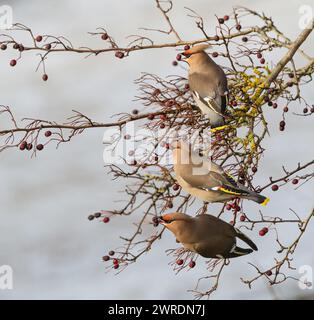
[213, 130]
[265, 202]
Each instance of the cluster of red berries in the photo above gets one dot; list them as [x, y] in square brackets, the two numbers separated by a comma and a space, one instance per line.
[24, 145]
[180, 262]
[115, 261]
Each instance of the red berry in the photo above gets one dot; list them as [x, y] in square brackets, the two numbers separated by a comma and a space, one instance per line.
[174, 63]
[104, 36]
[45, 77]
[115, 261]
[268, 273]
[178, 57]
[127, 137]
[290, 84]
[305, 110]
[262, 61]
[282, 123]
[105, 219]
[48, 46]
[48, 133]
[295, 181]
[119, 54]
[169, 103]
[275, 105]
[111, 253]
[226, 17]
[176, 187]
[40, 147]
[215, 54]
[259, 55]
[23, 145]
[245, 39]
[187, 87]
[21, 48]
[135, 111]
[291, 75]
[186, 47]
[90, 217]
[234, 103]
[4, 46]
[238, 27]
[97, 214]
[216, 38]
[265, 229]
[285, 109]
[116, 266]
[39, 38]
[29, 146]
[151, 117]
[254, 169]
[155, 219]
[282, 128]
[221, 20]
[228, 207]
[274, 187]
[262, 233]
[192, 264]
[162, 126]
[163, 117]
[179, 262]
[105, 258]
[270, 103]
[13, 62]
[242, 217]
[167, 145]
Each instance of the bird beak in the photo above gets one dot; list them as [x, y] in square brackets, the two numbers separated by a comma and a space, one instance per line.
[187, 55]
[161, 220]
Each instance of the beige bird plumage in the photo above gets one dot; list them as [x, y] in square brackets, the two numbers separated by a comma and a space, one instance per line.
[208, 84]
[207, 235]
[207, 180]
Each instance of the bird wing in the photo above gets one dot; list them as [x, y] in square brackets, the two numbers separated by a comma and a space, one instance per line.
[212, 181]
[206, 90]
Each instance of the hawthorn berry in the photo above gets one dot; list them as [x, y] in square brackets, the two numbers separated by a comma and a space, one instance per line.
[111, 253]
[179, 57]
[228, 207]
[285, 109]
[13, 63]
[192, 264]
[40, 147]
[135, 111]
[259, 55]
[106, 258]
[305, 110]
[29, 146]
[221, 20]
[215, 54]
[238, 27]
[104, 36]
[226, 17]
[274, 187]
[97, 215]
[186, 47]
[23, 145]
[3, 46]
[268, 273]
[242, 217]
[176, 187]
[106, 219]
[216, 37]
[39, 38]
[47, 46]
[45, 77]
[48, 133]
[119, 54]
[179, 262]
[262, 61]
[254, 169]
[151, 117]
[90, 217]
[163, 117]
[245, 39]
[174, 63]
[295, 181]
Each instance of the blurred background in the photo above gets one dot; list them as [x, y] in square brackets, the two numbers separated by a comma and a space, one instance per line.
[45, 236]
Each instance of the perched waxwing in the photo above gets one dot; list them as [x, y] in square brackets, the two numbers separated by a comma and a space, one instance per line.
[208, 84]
[207, 235]
[206, 180]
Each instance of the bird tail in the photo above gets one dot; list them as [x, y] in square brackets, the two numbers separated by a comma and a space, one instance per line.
[246, 239]
[258, 198]
[238, 252]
